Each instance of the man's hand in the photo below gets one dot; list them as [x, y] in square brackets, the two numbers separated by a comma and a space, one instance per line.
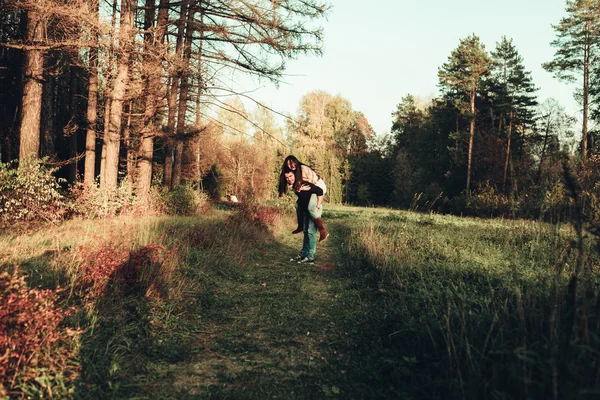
[304, 187]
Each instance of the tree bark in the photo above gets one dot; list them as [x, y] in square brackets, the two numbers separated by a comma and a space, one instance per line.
[586, 91]
[89, 169]
[153, 87]
[107, 104]
[471, 136]
[172, 100]
[107, 95]
[113, 137]
[183, 94]
[510, 124]
[199, 102]
[128, 150]
[48, 142]
[72, 126]
[31, 108]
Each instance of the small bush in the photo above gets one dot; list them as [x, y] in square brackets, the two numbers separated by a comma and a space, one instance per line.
[93, 202]
[35, 349]
[29, 193]
[486, 202]
[182, 200]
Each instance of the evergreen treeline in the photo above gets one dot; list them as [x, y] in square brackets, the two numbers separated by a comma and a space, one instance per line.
[488, 146]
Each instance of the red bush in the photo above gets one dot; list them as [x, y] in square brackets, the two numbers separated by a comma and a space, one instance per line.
[32, 340]
[99, 266]
[141, 271]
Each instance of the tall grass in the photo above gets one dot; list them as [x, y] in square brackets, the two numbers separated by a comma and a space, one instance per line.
[491, 304]
[135, 287]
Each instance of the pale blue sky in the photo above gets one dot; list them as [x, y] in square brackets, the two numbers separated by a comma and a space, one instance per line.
[377, 52]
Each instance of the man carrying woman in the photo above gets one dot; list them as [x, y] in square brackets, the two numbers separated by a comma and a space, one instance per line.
[309, 188]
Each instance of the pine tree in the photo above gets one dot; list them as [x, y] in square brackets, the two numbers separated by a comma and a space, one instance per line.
[515, 99]
[462, 75]
[578, 48]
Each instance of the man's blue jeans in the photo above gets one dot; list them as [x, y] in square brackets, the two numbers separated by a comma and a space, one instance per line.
[309, 245]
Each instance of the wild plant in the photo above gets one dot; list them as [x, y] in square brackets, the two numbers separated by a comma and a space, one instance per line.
[37, 351]
[29, 192]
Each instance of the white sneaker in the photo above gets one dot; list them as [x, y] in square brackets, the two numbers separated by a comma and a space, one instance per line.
[307, 260]
[297, 258]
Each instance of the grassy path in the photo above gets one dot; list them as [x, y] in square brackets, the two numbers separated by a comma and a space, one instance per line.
[283, 330]
[426, 306]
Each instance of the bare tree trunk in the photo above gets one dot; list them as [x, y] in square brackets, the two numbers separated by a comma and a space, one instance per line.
[71, 126]
[198, 99]
[183, 94]
[198, 121]
[178, 155]
[471, 136]
[172, 100]
[112, 139]
[500, 125]
[128, 149]
[108, 96]
[31, 108]
[89, 170]
[153, 86]
[510, 123]
[107, 103]
[457, 123]
[168, 168]
[544, 146]
[586, 90]
[48, 143]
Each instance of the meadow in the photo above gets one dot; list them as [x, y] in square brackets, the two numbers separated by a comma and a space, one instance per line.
[398, 305]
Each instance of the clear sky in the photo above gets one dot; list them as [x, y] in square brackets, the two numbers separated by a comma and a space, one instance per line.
[378, 51]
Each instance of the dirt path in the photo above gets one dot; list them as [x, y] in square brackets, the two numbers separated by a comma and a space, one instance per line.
[279, 330]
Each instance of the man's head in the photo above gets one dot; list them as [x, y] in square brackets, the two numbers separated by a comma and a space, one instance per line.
[290, 178]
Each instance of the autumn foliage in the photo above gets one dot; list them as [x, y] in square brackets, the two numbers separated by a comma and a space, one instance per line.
[116, 269]
[35, 347]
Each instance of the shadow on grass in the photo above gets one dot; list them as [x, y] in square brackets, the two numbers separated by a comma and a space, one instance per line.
[119, 335]
[135, 338]
[39, 272]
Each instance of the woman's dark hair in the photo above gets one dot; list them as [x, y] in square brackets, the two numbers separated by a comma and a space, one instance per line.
[285, 169]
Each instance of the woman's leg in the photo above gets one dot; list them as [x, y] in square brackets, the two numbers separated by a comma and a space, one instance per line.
[312, 207]
[315, 215]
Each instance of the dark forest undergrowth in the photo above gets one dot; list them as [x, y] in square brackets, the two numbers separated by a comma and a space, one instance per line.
[398, 305]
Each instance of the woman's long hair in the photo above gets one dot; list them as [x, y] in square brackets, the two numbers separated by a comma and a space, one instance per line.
[297, 173]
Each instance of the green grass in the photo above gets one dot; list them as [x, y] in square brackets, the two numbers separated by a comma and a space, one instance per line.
[398, 305]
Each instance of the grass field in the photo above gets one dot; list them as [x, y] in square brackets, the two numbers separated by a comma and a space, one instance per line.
[398, 305]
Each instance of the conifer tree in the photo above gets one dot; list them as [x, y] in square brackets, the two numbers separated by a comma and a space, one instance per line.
[515, 97]
[467, 65]
[578, 48]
